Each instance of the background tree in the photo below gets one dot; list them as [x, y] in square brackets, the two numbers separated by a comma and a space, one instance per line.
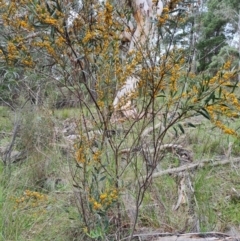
[232, 14]
[212, 36]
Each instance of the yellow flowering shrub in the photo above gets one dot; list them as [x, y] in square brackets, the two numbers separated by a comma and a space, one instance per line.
[87, 55]
[104, 200]
[30, 199]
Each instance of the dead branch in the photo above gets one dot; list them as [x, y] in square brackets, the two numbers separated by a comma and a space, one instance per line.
[151, 129]
[180, 151]
[8, 151]
[209, 236]
[198, 164]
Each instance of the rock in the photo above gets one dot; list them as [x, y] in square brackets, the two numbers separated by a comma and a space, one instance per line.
[14, 156]
[72, 137]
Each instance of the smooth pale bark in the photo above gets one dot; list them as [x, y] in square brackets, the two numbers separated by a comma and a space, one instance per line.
[144, 11]
[128, 88]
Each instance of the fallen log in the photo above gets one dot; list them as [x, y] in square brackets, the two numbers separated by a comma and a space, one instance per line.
[209, 236]
[198, 164]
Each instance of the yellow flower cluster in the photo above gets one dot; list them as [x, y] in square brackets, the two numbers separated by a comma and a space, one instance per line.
[221, 109]
[164, 16]
[89, 36]
[28, 62]
[100, 93]
[41, 12]
[2, 4]
[224, 75]
[232, 99]
[108, 14]
[60, 41]
[35, 195]
[175, 74]
[129, 68]
[104, 29]
[46, 44]
[225, 129]
[49, 20]
[227, 65]
[97, 156]
[104, 200]
[80, 155]
[18, 51]
[30, 198]
[12, 51]
[165, 13]
[23, 24]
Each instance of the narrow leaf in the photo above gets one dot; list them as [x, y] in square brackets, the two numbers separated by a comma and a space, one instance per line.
[181, 128]
[191, 125]
[204, 113]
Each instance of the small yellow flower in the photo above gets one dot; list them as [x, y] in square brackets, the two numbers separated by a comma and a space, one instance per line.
[79, 155]
[229, 131]
[85, 230]
[103, 196]
[227, 65]
[97, 205]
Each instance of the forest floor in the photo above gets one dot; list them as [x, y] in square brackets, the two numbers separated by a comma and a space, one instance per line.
[37, 201]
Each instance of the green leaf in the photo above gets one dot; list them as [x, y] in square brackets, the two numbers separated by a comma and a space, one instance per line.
[168, 30]
[181, 128]
[48, 8]
[204, 113]
[102, 178]
[176, 132]
[220, 92]
[161, 96]
[233, 86]
[211, 97]
[52, 33]
[191, 125]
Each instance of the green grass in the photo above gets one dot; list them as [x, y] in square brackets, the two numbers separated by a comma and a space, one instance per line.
[5, 125]
[57, 218]
[5, 121]
[1, 200]
[66, 113]
[50, 219]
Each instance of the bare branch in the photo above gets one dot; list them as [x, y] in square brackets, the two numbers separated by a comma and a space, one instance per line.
[198, 164]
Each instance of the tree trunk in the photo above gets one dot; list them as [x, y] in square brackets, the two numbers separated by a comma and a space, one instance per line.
[144, 11]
